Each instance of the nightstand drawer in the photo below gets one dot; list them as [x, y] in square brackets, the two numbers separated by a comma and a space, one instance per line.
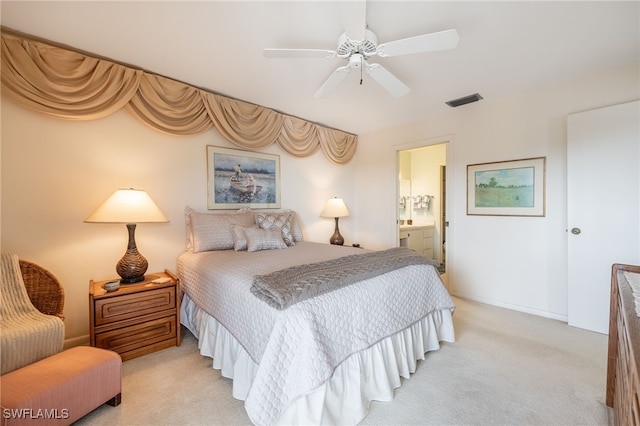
[134, 305]
[143, 335]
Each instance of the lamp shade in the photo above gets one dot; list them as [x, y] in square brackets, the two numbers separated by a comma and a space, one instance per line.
[127, 206]
[335, 207]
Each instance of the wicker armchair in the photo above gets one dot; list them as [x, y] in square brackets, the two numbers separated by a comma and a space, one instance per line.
[44, 290]
[28, 333]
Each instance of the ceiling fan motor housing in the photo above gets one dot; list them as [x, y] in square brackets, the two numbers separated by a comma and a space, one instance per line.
[366, 47]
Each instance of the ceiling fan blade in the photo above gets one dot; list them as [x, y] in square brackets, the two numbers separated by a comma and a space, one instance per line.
[332, 82]
[387, 80]
[442, 40]
[354, 18]
[299, 53]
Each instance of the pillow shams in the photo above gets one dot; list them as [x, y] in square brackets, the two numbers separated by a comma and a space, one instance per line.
[188, 211]
[213, 231]
[296, 229]
[264, 239]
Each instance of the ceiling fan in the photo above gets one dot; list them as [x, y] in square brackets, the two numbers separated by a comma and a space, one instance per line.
[358, 44]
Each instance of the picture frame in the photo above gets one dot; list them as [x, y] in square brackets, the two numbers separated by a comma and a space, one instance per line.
[242, 179]
[507, 188]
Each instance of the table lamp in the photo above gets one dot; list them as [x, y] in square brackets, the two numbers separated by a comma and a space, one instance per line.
[336, 209]
[129, 206]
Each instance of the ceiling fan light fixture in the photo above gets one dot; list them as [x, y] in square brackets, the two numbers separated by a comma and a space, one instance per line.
[464, 100]
[355, 60]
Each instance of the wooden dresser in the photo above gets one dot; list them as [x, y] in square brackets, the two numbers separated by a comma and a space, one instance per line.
[623, 380]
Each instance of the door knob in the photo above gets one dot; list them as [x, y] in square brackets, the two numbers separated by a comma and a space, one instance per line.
[575, 231]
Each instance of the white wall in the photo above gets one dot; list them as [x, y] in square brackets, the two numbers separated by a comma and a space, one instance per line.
[516, 262]
[56, 172]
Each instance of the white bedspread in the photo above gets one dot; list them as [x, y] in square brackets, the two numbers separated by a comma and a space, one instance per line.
[299, 348]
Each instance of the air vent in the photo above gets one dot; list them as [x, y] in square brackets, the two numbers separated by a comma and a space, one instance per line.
[464, 100]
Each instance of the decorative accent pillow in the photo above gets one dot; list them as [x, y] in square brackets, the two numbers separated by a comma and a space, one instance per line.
[239, 237]
[264, 239]
[281, 221]
[213, 231]
[296, 228]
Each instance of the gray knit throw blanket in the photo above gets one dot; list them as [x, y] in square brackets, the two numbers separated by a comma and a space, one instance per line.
[288, 286]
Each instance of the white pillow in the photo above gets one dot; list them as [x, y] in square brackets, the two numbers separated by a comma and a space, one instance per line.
[264, 239]
[212, 231]
[239, 237]
[188, 211]
[296, 228]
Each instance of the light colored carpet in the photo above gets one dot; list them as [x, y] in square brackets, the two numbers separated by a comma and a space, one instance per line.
[506, 368]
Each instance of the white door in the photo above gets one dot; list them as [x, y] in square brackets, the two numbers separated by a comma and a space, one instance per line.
[603, 190]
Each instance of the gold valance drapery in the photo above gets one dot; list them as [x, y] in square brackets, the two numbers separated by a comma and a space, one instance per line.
[67, 84]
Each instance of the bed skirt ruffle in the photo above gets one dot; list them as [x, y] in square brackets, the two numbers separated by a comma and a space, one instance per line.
[369, 375]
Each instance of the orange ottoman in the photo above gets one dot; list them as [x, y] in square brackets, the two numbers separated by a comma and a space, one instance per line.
[62, 388]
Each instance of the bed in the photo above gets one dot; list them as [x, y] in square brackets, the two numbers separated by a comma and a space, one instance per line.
[319, 358]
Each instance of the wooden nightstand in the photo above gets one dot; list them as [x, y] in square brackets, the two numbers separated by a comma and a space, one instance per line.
[136, 319]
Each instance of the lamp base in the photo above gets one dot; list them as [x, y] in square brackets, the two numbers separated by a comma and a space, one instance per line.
[133, 265]
[336, 238]
[132, 280]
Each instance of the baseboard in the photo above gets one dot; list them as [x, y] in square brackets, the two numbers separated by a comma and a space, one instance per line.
[76, 341]
[610, 417]
[519, 308]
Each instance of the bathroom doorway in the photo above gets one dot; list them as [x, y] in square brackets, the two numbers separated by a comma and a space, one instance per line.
[422, 203]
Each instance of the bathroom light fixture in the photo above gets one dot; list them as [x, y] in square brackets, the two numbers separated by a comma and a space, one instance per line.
[129, 206]
[336, 209]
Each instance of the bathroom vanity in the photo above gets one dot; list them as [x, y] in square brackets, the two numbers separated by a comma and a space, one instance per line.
[418, 238]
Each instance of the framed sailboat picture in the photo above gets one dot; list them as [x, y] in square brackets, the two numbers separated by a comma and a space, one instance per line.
[242, 179]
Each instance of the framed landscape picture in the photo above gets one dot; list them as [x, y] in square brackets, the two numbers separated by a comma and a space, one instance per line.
[507, 188]
[237, 179]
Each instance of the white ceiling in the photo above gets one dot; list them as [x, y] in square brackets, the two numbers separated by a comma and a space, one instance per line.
[505, 48]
